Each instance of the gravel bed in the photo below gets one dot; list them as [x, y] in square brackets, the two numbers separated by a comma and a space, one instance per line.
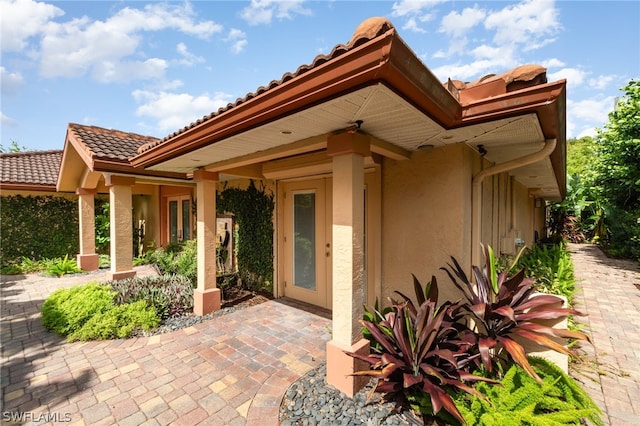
[178, 323]
[311, 401]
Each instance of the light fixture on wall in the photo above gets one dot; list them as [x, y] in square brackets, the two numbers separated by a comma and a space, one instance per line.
[482, 150]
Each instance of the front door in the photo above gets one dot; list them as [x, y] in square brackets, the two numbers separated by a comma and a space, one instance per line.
[307, 241]
[179, 215]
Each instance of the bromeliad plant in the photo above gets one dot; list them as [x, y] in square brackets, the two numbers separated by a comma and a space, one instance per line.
[504, 308]
[419, 353]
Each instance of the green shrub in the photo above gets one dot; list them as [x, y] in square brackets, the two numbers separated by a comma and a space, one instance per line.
[520, 400]
[67, 310]
[60, 267]
[37, 227]
[552, 268]
[117, 322]
[171, 296]
[177, 259]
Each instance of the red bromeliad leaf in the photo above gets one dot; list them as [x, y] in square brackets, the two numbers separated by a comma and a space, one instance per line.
[386, 371]
[551, 331]
[439, 399]
[505, 311]
[387, 387]
[371, 359]
[518, 355]
[547, 314]
[541, 340]
[431, 371]
[540, 300]
[479, 310]
[379, 335]
[410, 380]
[485, 344]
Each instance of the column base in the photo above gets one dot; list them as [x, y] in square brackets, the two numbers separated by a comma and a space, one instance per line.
[206, 301]
[88, 262]
[340, 365]
[121, 275]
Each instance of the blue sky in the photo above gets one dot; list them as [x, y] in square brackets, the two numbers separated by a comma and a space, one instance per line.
[153, 67]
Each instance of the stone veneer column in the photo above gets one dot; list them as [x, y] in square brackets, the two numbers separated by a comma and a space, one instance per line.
[206, 297]
[348, 151]
[120, 225]
[87, 258]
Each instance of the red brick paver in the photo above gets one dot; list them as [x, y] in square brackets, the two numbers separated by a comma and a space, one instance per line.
[231, 370]
[610, 295]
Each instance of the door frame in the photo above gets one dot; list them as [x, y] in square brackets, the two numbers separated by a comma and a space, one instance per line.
[373, 221]
[179, 199]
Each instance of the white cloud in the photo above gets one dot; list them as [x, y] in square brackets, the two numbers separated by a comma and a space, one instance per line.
[458, 24]
[237, 39]
[264, 11]
[584, 116]
[602, 81]
[412, 25]
[574, 76]
[188, 58]
[552, 63]
[7, 121]
[172, 111]
[412, 7]
[21, 20]
[10, 82]
[529, 24]
[83, 46]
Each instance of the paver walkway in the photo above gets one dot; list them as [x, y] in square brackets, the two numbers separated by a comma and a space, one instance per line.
[611, 297]
[234, 369]
[231, 370]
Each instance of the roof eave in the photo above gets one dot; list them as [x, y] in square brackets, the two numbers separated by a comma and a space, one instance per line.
[547, 101]
[385, 59]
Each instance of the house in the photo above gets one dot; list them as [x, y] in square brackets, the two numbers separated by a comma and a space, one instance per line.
[158, 204]
[379, 170]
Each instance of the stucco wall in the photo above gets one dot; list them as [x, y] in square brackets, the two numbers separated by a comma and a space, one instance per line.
[426, 218]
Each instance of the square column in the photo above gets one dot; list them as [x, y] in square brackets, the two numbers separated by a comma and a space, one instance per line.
[206, 297]
[348, 151]
[87, 258]
[120, 226]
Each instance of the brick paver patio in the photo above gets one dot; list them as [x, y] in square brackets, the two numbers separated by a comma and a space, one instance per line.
[234, 369]
[231, 370]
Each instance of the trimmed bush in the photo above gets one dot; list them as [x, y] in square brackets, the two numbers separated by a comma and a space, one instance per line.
[117, 322]
[66, 310]
[88, 312]
[37, 228]
[177, 259]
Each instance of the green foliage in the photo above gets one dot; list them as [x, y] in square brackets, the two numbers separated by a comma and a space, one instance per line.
[37, 228]
[64, 266]
[520, 400]
[253, 210]
[177, 259]
[603, 203]
[118, 322]
[102, 222]
[552, 268]
[14, 147]
[171, 296]
[88, 312]
[67, 310]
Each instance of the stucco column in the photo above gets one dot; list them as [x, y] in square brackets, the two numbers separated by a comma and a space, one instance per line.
[348, 151]
[87, 258]
[120, 226]
[206, 297]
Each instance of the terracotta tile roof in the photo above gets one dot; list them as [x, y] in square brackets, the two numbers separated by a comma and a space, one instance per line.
[109, 144]
[367, 30]
[30, 168]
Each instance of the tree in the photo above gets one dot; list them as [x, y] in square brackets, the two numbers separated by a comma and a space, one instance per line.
[617, 174]
[14, 147]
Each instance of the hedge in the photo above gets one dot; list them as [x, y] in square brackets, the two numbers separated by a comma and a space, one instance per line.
[41, 227]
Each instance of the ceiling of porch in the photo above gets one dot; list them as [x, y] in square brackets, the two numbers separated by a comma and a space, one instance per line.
[398, 128]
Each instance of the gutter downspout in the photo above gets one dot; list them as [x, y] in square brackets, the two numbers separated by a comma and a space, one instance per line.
[476, 194]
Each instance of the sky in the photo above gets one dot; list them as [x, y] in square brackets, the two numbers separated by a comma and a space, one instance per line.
[152, 67]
